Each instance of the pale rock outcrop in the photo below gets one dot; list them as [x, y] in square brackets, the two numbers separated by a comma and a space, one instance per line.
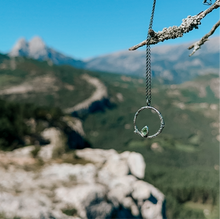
[64, 172]
[28, 205]
[141, 190]
[24, 152]
[120, 188]
[151, 211]
[82, 196]
[95, 155]
[124, 188]
[105, 188]
[116, 163]
[136, 164]
[116, 166]
[46, 152]
[128, 203]
[55, 137]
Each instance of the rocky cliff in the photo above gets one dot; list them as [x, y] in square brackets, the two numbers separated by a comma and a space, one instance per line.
[91, 183]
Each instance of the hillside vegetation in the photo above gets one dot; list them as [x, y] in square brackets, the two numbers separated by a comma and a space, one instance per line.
[28, 80]
[33, 95]
[182, 161]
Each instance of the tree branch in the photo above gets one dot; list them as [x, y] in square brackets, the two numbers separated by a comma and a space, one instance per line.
[197, 44]
[187, 25]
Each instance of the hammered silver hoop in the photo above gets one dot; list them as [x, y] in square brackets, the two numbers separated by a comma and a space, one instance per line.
[162, 124]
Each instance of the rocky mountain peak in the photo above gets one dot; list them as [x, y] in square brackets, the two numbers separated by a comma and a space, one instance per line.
[37, 40]
[37, 48]
[20, 48]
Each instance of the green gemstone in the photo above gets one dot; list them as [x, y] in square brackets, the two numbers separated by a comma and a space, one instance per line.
[144, 131]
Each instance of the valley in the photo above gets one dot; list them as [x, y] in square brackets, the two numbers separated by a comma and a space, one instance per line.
[182, 162]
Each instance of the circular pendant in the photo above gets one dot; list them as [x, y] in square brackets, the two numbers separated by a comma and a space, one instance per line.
[145, 131]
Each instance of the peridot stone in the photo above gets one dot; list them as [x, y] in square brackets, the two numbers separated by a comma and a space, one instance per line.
[144, 131]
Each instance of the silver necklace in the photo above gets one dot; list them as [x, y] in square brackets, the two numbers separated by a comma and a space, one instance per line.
[145, 130]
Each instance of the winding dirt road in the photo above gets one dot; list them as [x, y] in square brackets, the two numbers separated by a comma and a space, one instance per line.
[99, 94]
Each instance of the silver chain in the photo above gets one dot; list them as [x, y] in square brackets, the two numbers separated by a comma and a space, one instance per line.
[148, 59]
[145, 130]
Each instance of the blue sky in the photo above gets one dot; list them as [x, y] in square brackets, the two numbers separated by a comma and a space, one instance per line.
[88, 28]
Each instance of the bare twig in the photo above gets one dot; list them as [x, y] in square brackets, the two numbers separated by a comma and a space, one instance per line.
[198, 44]
[188, 24]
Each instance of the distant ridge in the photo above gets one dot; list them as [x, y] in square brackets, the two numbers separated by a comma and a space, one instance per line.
[170, 63]
[37, 49]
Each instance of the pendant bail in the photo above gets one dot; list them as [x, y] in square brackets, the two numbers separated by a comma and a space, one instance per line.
[148, 102]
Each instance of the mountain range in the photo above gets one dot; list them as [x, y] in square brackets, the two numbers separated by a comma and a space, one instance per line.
[37, 49]
[170, 63]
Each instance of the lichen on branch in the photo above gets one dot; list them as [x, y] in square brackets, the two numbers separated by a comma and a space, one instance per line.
[187, 25]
